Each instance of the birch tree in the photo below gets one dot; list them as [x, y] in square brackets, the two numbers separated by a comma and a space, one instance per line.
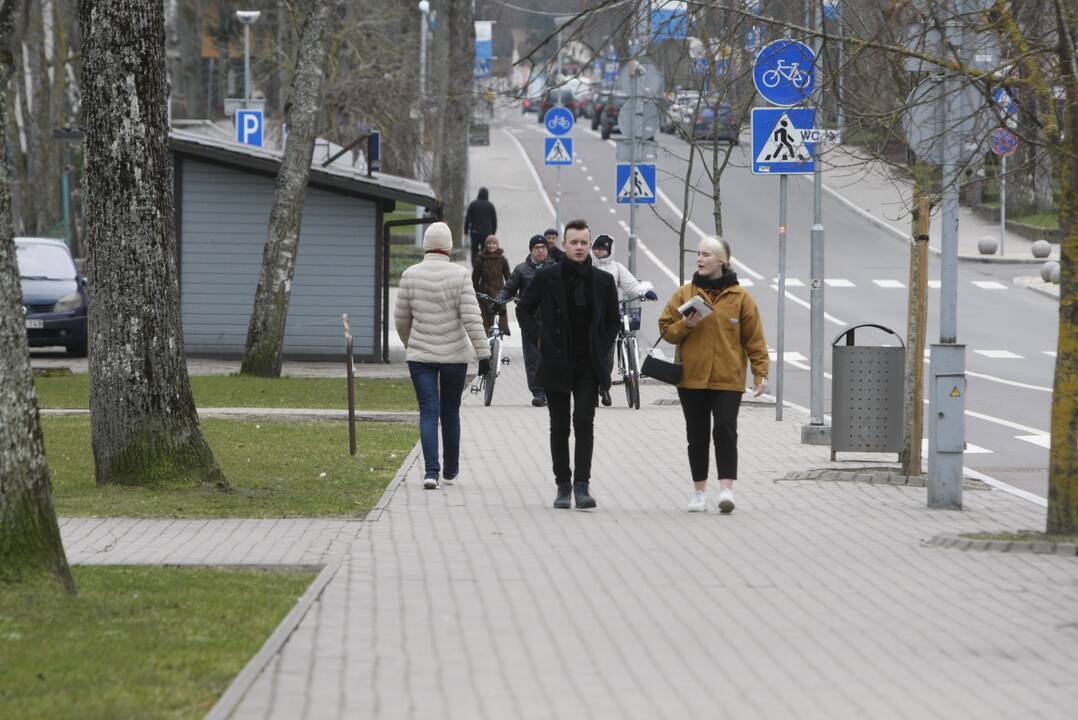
[265, 333]
[30, 545]
[144, 427]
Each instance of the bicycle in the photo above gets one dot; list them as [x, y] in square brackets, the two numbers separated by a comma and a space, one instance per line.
[770, 78]
[485, 383]
[628, 353]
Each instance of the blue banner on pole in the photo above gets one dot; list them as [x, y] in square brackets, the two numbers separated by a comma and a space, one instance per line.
[670, 21]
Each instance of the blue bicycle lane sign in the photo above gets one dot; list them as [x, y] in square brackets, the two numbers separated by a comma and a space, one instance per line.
[559, 120]
[785, 72]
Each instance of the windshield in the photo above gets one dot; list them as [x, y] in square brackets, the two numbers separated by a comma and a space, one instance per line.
[44, 262]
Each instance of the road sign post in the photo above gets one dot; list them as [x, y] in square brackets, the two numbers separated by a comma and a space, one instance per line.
[780, 345]
[815, 433]
[559, 123]
[1004, 143]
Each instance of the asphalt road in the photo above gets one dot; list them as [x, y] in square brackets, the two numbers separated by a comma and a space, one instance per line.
[1009, 332]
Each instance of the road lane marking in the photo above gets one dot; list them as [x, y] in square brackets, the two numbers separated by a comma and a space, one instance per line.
[1044, 441]
[603, 198]
[1049, 353]
[999, 354]
[838, 282]
[531, 169]
[805, 304]
[591, 179]
[595, 188]
[971, 449]
[989, 285]
[934, 284]
[1004, 381]
[790, 282]
[889, 284]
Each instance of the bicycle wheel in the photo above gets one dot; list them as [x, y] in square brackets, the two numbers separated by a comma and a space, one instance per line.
[632, 379]
[492, 376]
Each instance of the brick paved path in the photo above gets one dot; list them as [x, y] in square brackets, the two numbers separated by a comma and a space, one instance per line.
[814, 599]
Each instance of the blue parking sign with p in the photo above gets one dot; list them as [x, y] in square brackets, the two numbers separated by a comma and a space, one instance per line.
[249, 127]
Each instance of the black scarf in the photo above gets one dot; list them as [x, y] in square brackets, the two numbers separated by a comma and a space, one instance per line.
[728, 278]
[577, 278]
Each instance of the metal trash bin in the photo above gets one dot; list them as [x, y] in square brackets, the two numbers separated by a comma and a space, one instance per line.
[866, 395]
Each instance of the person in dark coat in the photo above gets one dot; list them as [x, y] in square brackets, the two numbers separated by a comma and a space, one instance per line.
[489, 275]
[519, 281]
[579, 306]
[480, 220]
[555, 252]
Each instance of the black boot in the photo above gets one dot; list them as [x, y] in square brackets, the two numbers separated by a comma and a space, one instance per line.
[584, 501]
[605, 396]
[564, 499]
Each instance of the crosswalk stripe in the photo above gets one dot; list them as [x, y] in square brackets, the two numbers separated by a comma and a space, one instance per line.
[989, 285]
[999, 354]
[838, 282]
[1044, 441]
[934, 284]
[790, 282]
[1049, 353]
[971, 449]
[889, 283]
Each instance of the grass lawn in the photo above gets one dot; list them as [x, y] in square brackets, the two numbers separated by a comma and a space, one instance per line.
[1041, 220]
[73, 391]
[1022, 536]
[276, 469]
[137, 642]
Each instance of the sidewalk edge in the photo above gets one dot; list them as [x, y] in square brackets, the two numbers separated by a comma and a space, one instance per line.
[241, 684]
[867, 215]
[394, 484]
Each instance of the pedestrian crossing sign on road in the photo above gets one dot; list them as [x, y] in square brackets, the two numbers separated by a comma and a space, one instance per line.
[777, 144]
[558, 151]
[639, 185]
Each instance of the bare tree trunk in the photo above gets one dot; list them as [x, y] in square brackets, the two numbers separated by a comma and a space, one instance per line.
[451, 146]
[30, 543]
[1063, 456]
[144, 427]
[265, 334]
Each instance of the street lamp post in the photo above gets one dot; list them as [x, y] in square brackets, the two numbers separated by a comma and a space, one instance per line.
[248, 18]
[421, 159]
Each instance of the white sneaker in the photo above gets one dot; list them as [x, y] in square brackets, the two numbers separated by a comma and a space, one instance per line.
[726, 500]
[430, 484]
[698, 503]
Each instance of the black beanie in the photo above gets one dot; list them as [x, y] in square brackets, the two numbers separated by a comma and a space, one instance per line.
[536, 240]
[604, 242]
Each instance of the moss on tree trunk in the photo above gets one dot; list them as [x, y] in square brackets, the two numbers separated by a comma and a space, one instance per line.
[143, 420]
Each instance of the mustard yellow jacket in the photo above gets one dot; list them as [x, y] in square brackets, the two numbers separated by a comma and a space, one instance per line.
[714, 354]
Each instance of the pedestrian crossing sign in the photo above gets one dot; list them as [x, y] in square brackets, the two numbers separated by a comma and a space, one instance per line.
[636, 188]
[558, 151]
[778, 147]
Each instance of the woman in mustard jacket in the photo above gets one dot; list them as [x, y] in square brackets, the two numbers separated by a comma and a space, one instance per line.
[713, 349]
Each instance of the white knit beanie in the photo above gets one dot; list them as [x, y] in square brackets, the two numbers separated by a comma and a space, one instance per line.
[438, 237]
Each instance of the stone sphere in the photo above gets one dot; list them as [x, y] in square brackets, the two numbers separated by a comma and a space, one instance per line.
[1054, 278]
[987, 245]
[1047, 269]
[1042, 249]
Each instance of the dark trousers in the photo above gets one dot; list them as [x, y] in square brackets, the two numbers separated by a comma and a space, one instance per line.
[583, 396]
[700, 407]
[477, 246]
[438, 389]
[531, 362]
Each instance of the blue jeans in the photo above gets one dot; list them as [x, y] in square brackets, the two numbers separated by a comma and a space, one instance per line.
[438, 388]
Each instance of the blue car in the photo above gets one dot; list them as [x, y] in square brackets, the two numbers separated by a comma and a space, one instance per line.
[54, 295]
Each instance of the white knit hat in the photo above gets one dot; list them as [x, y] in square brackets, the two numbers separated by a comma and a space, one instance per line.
[438, 237]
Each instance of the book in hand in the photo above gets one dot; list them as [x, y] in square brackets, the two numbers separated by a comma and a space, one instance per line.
[697, 304]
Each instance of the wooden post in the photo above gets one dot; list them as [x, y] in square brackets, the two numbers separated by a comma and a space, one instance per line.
[913, 410]
[351, 385]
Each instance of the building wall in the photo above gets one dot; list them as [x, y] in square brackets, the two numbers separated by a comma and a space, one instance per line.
[223, 225]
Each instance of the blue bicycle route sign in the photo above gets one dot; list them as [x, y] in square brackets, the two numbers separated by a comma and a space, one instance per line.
[558, 120]
[785, 72]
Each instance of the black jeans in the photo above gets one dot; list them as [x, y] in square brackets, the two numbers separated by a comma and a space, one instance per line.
[531, 362]
[699, 407]
[583, 395]
[477, 245]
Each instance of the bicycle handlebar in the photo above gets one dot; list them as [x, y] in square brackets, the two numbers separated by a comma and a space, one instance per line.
[626, 301]
[488, 298]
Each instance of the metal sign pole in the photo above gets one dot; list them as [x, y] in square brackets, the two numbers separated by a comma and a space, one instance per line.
[816, 266]
[634, 125]
[1003, 206]
[780, 358]
[557, 200]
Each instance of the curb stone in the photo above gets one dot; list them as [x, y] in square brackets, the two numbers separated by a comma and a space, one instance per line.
[1035, 547]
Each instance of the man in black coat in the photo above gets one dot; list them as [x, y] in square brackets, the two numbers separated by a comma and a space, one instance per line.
[579, 309]
[519, 281]
[480, 220]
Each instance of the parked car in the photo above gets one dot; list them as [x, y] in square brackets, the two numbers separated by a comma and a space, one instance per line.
[533, 95]
[712, 125]
[550, 99]
[679, 113]
[609, 120]
[597, 106]
[54, 295]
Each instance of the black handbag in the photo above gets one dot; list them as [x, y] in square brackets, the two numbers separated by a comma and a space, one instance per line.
[661, 370]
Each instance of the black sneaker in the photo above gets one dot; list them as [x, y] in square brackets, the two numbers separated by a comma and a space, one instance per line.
[564, 499]
[584, 501]
[605, 395]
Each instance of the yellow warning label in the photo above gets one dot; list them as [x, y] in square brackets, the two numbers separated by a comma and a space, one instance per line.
[954, 392]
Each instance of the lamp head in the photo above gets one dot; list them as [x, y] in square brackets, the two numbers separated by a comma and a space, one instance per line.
[424, 6]
[248, 17]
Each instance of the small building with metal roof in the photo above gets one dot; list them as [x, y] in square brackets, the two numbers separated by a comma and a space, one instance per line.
[224, 193]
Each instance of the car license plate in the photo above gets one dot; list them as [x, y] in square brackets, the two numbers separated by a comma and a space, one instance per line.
[35, 324]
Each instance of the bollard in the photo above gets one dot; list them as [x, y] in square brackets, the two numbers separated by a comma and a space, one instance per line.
[987, 245]
[351, 385]
[1041, 249]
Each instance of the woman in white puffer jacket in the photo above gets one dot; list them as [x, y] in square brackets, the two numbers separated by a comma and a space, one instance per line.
[602, 251]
